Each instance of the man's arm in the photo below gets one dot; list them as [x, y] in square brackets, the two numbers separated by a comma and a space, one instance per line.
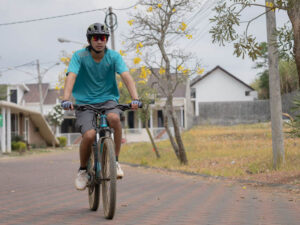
[69, 84]
[130, 84]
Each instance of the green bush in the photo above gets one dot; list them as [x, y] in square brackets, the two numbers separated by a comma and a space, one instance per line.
[18, 145]
[62, 141]
[22, 145]
[14, 145]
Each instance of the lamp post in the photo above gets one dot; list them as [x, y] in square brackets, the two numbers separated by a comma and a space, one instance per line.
[63, 40]
[40, 81]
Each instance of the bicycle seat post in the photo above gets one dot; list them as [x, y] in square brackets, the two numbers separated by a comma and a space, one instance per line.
[103, 120]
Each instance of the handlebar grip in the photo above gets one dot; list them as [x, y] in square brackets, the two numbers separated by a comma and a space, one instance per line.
[139, 106]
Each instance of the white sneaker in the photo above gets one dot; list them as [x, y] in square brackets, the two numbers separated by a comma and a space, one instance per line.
[120, 173]
[81, 180]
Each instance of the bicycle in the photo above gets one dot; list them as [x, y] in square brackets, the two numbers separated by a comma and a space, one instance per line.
[102, 162]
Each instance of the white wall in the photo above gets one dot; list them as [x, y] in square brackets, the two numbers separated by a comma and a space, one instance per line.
[220, 87]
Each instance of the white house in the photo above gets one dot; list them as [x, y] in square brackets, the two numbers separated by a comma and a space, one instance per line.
[218, 85]
[18, 120]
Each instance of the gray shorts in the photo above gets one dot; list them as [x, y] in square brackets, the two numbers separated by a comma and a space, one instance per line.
[86, 120]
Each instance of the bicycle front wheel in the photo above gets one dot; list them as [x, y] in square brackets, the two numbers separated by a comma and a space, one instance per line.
[93, 185]
[109, 178]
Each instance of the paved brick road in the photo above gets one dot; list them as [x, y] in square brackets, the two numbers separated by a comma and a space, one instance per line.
[40, 190]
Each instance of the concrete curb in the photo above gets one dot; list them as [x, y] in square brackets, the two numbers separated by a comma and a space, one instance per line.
[289, 187]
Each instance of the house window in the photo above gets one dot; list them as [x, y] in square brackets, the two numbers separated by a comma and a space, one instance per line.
[247, 93]
[13, 96]
[14, 125]
[193, 92]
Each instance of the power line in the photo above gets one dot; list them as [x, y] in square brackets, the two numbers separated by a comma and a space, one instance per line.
[51, 17]
[5, 69]
[60, 16]
[130, 7]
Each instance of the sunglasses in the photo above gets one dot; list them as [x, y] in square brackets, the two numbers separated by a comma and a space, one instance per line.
[99, 37]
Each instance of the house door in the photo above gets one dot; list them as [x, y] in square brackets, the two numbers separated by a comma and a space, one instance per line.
[130, 119]
[160, 118]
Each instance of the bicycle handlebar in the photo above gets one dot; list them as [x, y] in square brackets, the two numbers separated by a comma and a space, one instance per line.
[122, 107]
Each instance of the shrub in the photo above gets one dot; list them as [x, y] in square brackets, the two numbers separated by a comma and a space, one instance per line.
[14, 145]
[62, 141]
[20, 145]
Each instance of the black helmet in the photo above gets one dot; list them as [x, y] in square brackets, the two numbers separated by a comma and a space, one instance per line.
[97, 28]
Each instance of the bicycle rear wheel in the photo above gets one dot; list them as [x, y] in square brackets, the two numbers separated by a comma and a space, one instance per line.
[109, 178]
[93, 185]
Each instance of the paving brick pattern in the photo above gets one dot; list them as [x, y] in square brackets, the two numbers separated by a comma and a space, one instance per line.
[40, 190]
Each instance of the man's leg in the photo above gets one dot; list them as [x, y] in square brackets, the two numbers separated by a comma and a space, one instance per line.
[82, 178]
[115, 123]
[87, 141]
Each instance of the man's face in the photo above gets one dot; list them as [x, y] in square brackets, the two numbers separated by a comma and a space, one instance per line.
[98, 42]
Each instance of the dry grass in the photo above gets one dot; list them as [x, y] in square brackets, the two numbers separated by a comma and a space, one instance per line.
[241, 151]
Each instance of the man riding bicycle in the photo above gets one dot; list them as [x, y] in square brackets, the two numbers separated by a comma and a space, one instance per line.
[91, 79]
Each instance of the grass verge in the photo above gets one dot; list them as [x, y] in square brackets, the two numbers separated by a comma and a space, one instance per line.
[241, 151]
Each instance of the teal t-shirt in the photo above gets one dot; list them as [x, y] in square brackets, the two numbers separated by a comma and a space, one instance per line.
[96, 82]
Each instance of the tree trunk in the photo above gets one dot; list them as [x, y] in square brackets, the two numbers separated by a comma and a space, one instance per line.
[149, 133]
[275, 96]
[152, 142]
[166, 125]
[294, 15]
[181, 149]
[178, 146]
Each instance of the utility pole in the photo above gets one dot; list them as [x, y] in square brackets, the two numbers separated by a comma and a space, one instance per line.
[40, 85]
[274, 86]
[111, 26]
[188, 106]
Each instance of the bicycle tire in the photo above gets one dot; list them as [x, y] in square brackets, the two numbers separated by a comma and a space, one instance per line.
[109, 178]
[93, 187]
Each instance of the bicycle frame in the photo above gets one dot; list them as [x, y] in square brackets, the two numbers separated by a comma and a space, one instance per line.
[102, 131]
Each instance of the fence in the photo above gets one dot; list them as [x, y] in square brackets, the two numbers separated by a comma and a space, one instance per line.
[130, 135]
[229, 113]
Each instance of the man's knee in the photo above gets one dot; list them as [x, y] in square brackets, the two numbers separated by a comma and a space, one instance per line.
[89, 135]
[113, 119]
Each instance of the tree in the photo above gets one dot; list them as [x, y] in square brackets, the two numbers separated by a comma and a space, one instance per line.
[56, 116]
[146, 95]
[287, 71]
[228, 19]
[3, 92]
[153, 25]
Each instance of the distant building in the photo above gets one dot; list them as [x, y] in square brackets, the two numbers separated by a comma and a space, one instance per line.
[218, 85]
[19, 120]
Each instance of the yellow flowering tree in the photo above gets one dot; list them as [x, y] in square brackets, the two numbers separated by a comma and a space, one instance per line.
[146, 94]
[154, 25]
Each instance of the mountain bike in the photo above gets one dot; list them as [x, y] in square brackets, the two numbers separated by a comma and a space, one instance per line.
[102, 162]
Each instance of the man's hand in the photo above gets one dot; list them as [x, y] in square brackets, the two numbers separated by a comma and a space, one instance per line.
[66, 105]
[135, 104]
